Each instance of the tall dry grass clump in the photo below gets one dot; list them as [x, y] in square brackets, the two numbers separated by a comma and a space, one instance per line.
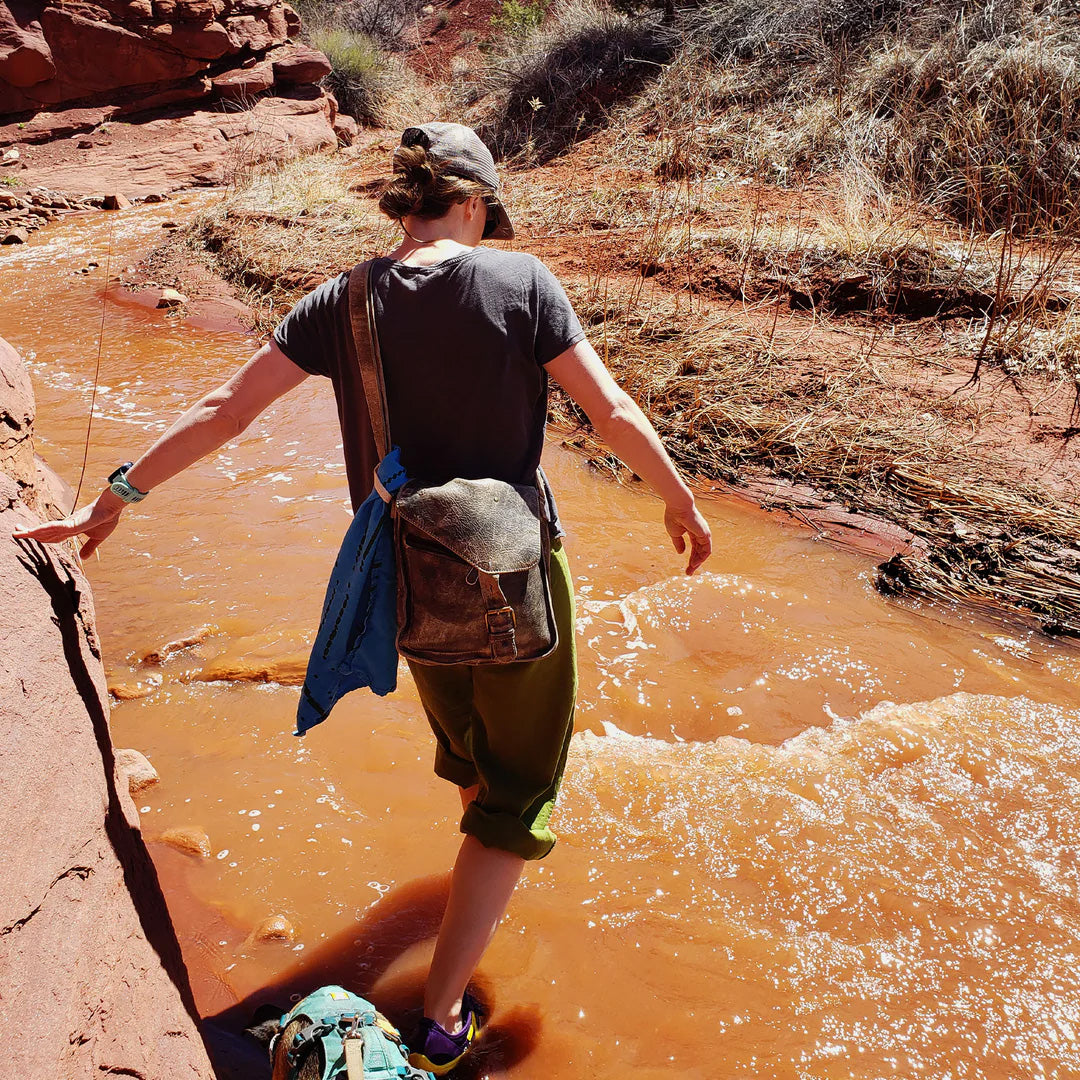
[988, 129]
[542, 90]
[970, 106]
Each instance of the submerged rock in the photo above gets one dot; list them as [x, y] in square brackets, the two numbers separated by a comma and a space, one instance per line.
[163, 652]
[190, 839]
[275, 930]
[171, 298]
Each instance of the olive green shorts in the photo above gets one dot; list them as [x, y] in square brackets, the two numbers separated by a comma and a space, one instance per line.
[507, 728]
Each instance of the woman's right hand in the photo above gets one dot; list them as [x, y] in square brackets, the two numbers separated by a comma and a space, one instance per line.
[96, 521]
[681, 522]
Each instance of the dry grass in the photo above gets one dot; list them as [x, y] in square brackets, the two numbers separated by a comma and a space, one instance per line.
[730, 395]
[542, 91]
[728, 401]
[292, 228]
[972, 106]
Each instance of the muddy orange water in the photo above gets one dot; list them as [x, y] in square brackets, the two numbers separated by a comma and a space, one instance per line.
[805, 832]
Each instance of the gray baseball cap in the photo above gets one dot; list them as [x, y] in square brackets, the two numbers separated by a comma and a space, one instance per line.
[464, 154]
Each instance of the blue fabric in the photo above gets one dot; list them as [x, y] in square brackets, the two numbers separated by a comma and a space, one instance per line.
[355, 645]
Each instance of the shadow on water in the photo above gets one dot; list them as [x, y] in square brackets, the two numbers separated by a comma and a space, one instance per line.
[358, 958]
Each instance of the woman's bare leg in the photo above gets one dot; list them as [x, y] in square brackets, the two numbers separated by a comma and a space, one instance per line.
[480, 889]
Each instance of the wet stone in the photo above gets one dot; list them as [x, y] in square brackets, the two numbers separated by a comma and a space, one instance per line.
[16, 236]
[171, 298]
[191, 840]
[275, 930]
[137, 770]
[127, 691]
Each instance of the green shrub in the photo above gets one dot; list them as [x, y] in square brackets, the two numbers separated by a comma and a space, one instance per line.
[518, 18]
[362, 75]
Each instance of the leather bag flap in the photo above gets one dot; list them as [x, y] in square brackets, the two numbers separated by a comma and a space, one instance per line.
[492, 525]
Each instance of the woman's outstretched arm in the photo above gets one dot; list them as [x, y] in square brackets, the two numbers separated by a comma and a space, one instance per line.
[626, 429]
[210, 423]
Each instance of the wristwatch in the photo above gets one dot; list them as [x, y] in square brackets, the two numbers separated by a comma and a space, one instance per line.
[121, 488]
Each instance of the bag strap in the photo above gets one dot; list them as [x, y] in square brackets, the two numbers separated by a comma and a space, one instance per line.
[366, 337]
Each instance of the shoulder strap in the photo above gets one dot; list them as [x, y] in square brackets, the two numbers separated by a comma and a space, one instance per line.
[366, 337]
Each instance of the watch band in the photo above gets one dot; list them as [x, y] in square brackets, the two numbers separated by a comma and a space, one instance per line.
[122, 488]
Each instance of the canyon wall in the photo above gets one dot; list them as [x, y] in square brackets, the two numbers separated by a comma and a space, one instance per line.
[92, 981]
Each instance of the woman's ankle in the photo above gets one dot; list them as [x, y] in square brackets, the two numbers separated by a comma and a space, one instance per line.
[448, 1017]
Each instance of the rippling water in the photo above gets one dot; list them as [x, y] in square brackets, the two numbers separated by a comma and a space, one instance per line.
[805, 832]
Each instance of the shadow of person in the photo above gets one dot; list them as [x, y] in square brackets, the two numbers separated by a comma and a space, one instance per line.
[358, 958]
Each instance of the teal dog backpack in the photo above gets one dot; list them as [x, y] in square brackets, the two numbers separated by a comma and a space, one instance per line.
[332, 1034]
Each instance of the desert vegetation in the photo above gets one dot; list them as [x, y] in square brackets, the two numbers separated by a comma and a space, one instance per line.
[833, 244]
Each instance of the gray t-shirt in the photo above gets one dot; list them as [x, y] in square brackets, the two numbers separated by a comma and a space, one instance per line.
[463, 344]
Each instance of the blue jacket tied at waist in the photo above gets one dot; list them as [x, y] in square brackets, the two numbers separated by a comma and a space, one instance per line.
[356, 642]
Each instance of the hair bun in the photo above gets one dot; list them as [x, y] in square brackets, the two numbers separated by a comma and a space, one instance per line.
[415, 166]
[420, 173]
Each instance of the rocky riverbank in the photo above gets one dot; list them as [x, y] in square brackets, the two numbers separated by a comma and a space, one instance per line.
[94, 982]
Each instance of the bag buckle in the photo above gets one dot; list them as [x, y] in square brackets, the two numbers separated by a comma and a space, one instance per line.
[501, 621]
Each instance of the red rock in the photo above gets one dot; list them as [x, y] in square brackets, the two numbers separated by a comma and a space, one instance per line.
[209, 42]
[80, 905]
[165, 154]
[292, 21]
[16, 417]
[188, 90]
[135, 770]
[258, 32]
[346, 129]
[116, 201]
[16, 235]
[49, 125]
[275, 930]
[197, 637]
[171, 298]
[198, 11]
[299, 64]
[191, 840]
[131, 691]
[25, 57]
[245, 82]
[287, 671]
[165, 10]
[93, 56]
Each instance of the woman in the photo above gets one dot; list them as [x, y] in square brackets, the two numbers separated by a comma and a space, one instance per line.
[469, 336]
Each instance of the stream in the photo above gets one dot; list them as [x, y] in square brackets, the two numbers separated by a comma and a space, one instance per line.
[806, 832]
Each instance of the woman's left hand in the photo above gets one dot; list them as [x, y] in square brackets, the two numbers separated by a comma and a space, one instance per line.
[96, 521]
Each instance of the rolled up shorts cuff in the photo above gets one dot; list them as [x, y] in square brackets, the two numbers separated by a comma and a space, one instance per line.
[499, 829]
[454, 769]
